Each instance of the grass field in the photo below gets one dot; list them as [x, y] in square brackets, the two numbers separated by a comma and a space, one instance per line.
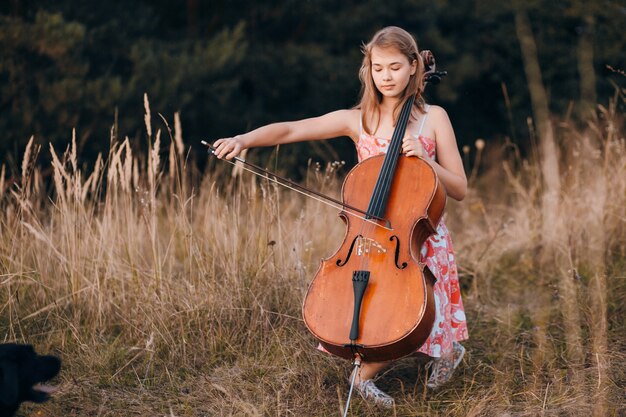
[169, 292]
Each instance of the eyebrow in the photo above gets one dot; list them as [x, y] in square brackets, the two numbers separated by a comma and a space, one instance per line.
[393, 63]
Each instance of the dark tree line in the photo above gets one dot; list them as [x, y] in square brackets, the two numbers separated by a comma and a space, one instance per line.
[229, 66]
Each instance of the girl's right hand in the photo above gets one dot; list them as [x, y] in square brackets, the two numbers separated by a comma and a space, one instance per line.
[228, 147]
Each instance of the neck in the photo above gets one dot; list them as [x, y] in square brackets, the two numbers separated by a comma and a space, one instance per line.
[387, 106]
[389, 103]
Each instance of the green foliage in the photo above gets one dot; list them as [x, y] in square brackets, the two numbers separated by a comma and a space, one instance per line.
[42, 67]
[61, 74]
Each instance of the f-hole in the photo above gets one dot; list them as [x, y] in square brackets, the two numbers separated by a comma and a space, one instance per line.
[340, 263]
[404, 264]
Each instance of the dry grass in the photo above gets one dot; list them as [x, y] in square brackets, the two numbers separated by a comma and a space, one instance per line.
[170, 293]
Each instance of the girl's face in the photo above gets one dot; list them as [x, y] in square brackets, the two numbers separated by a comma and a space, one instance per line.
[391, 71]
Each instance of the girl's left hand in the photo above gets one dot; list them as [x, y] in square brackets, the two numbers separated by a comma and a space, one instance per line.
[411, 146]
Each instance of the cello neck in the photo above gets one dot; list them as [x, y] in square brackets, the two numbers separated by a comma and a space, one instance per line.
[378, 202]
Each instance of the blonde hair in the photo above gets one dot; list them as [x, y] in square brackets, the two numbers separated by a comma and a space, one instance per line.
[400, 39]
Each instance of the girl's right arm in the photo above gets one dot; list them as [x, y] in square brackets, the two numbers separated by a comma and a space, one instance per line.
[330, 125]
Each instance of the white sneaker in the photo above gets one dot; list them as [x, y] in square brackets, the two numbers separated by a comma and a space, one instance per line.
[370, 392]
[458, 351]
[443, 368]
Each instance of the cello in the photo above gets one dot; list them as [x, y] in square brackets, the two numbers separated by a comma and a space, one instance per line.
[373, 300]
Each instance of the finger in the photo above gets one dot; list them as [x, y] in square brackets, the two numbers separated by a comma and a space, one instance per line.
[220, 144]
[419, 149]
[218, 148]
[217, 145]
[233, 153]
[222, 150]
[226, 148]
[414, 151]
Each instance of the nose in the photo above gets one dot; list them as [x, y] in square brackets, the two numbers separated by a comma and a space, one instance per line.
[386, 75]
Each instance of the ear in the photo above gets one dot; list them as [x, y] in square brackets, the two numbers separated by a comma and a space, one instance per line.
[414, 67]
[8, 383]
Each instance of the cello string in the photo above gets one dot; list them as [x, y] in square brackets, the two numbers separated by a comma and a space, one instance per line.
[384, 182]
[389, 165]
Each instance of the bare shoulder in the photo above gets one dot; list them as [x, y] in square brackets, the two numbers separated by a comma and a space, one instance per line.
[438, 114]
[351, 117]
[349, 114]
[440, 122]
[443, 133]
[327, 126]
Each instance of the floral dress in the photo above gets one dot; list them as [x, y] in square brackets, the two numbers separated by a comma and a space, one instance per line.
[450, 324]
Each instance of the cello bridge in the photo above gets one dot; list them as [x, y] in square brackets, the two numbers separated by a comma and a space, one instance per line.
[366, 245]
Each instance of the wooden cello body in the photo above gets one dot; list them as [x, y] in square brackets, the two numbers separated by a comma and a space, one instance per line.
[396, 311]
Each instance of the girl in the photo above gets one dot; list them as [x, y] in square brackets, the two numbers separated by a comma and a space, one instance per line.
[392, 70]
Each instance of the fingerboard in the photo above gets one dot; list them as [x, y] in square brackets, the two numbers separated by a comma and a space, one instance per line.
[378, 202]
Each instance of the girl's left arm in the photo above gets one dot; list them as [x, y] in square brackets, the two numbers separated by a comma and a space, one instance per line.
[449, 165]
